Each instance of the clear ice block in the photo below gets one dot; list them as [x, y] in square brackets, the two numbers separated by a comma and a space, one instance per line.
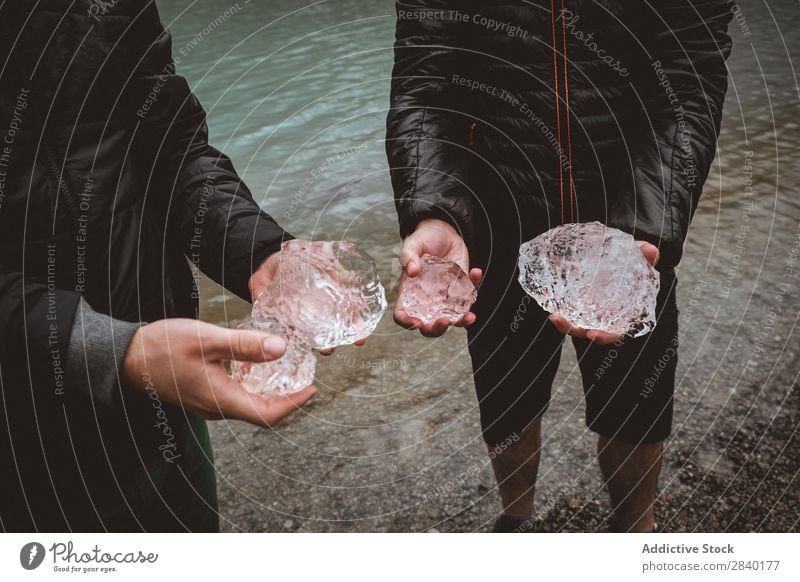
[593, 275]
[441, 290]
[328, 291]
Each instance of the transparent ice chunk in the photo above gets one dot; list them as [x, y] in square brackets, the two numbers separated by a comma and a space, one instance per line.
[593, 275]
[293, 371]
[328, 291]
[441, 290]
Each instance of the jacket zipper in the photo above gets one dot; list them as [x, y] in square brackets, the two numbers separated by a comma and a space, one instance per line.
[472, 127]
[63, 187]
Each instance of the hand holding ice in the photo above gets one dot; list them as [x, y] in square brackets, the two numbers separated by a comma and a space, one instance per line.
[593, 275]
[441, 290]
[324, 294]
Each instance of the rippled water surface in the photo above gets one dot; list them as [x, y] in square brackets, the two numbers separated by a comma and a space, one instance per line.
[297, 97]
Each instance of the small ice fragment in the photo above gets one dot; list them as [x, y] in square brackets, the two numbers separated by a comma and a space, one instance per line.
[441, 290]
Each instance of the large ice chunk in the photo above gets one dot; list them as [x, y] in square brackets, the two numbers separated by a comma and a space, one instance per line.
[441, 290]
[324, 294]
[328, 291]
[593, 275]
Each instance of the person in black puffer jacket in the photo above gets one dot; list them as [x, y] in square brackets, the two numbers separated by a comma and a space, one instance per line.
[510, 118]
[107, 186]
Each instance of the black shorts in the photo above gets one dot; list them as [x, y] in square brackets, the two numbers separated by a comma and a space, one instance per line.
[515, 352]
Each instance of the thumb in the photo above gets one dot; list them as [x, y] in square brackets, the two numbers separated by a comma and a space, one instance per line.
[409, 255]
[649, 251]
[244, 345]
[258, 286]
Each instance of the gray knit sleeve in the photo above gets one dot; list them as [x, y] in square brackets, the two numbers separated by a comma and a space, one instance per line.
[97, 346]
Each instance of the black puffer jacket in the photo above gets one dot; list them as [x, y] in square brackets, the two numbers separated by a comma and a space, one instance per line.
[107, 186]
[474, 119]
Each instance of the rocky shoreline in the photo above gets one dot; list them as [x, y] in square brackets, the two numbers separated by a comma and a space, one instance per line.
[762, 496]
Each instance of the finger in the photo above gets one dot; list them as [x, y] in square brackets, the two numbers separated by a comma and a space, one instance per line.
[259, 283]
[578, 332]
[564, 326]
[402, 319]
[261, 293]
[258, 291]
[435, 329]
[468, 319]
[431, 332]
[560, 323]
[257, 288]
[409, 256]
[360, 342]
[476, 276]
[243, 345]
[327, 351]
[649, 251]
[602, 337]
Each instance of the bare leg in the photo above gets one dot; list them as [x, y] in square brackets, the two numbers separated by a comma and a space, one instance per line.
[515, 469]
[631, 475]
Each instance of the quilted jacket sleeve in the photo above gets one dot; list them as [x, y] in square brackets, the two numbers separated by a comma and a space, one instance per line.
[426, 135]
[211, 212]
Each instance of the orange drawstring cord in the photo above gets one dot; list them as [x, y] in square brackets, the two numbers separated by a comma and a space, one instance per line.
[569, 124]
[558, 112]
[566, 110]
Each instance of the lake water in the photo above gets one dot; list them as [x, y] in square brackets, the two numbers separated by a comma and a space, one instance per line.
[297, 96]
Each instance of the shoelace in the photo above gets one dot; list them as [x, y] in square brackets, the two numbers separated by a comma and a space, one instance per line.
[566, 110]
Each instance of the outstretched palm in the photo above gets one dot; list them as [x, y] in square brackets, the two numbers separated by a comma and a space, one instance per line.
[439, 239]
